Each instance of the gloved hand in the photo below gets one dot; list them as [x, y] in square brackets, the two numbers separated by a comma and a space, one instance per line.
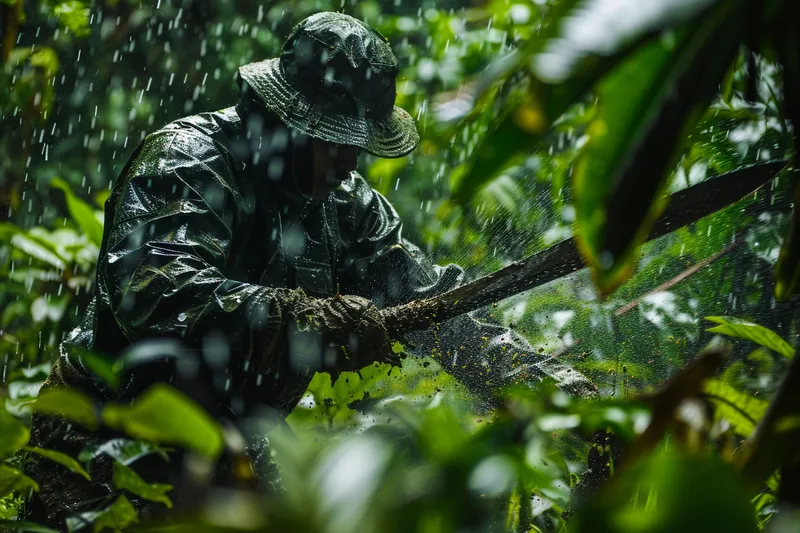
[351, 327]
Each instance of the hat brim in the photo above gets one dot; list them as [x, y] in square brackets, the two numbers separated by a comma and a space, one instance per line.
[395, 137]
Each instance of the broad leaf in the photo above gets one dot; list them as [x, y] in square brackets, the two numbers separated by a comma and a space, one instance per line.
[566, 61]
[694, 493]
[104, 368]
[68, 403]
[13, 434]
[61, 458]
[740, 409]
[26, 526]
[125, 451]
[125, 478]
[13, 480]
[38, 250]
[82, 213]
[116, 517]
[163, 414]
[646, 109]
[613, 24]
[736, 327]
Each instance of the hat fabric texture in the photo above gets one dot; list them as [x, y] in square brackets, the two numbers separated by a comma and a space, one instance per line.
[335, 80]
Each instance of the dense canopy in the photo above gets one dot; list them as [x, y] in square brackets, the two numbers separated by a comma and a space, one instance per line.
[540, 121]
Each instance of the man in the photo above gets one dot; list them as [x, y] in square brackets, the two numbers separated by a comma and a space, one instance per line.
[247, 235]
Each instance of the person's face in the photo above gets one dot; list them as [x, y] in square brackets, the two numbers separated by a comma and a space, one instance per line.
[333, 164]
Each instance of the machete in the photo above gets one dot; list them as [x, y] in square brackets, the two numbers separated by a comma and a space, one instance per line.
[685, 207]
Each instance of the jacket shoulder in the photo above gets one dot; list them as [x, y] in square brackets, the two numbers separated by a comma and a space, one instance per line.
[197, 140]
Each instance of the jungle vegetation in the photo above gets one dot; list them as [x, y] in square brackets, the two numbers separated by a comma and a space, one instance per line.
[540, 120]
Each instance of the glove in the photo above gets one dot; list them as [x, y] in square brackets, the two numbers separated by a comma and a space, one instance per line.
[352, 331]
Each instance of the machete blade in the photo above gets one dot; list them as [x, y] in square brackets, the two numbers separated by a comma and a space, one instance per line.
[559, 260]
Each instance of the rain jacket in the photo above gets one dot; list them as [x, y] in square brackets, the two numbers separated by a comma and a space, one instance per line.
[197, 240]
[200, 232]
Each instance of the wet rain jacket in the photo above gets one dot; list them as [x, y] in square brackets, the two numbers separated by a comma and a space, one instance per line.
[199, 234]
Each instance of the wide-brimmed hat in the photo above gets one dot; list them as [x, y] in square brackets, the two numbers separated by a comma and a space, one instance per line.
[335, 80]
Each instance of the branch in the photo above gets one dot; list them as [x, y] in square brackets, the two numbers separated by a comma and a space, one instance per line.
[680, 277]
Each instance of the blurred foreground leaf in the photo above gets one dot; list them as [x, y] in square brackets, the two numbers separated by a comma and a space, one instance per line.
[163, 414]
[668, 493]
[25, 525]
[68, 403]
[646, 109]
[13, 434]
[12, 480]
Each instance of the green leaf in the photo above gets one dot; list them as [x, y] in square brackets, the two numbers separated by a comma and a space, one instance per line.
[106, 369]
[13, 434]
[565, 66]
[68, 403]
[13, 480]
[61, 458]
[740, 409]
[116, 517]
[47, 59]
[82, 213]
[26, 526]
[614, 25]
[125, 478]
[646, 109]
[736, 327]
[125, 451]
[74, 15]
[163, 414]
[695, 493]
[38, 250]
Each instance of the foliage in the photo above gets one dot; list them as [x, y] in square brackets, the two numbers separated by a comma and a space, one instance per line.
[532, 130]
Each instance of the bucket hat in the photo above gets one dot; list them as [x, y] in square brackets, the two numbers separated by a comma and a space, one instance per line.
[335, 80]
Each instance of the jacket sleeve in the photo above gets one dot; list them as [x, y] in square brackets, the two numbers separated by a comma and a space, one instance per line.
[177, 210]
[391, 270]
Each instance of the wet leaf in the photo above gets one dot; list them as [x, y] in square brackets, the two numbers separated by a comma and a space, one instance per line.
[26, 526]
[163, 414]
[695, 494]
[645, 110]
[61, 458]
[13, 434]
[39, 250]
[567, 61]
[104, 368]
[13, 480]
[740, 409]
[736, 327]
[116, 517]
[613, 24]
[74, 15]
[68, 403]
[125, 478]
[82, 213]
[125, 451]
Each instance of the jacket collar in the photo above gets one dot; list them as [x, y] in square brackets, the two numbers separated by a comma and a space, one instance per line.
[271, 157]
